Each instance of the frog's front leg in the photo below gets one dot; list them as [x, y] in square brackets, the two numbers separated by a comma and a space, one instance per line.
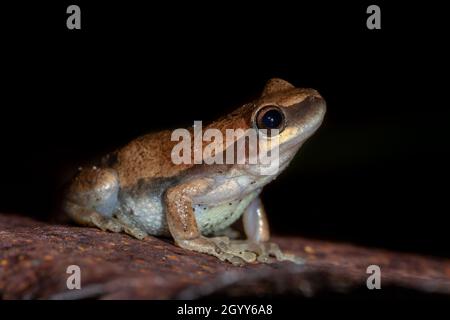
[256, 228]
[184, 229]
[255, 222]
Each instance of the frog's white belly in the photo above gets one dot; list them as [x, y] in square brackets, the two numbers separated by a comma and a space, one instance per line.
[214, 211]
[149, 214]
[218, 217]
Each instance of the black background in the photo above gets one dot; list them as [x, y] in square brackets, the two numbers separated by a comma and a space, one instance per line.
[376, 173]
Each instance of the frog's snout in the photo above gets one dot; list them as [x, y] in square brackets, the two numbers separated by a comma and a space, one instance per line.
[319, 108]
[308, 114]
[315, 110]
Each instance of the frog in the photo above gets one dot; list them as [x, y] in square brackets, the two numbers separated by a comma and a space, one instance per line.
[137, 189]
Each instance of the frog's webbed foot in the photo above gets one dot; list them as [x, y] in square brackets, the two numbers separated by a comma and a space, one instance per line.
[129, 226]
[239, 252]
[88, 217]
[218, 247]
[117, 223]
[265, 252]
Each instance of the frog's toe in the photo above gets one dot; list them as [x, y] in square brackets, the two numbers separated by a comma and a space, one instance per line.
[243, 251]
[273, 250]
[106, 224]
[135, 232]
[264, 252]
[235, 252]
[129, 226]
[113, 226]
[237, 256]
[247, 256]
[88, 217]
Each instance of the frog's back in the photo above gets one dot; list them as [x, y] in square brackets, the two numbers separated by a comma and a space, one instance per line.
[147, 157]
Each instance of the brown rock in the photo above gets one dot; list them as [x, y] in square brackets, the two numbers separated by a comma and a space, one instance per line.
[34, 257]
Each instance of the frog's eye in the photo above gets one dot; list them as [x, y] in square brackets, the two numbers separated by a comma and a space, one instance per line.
[270, 117]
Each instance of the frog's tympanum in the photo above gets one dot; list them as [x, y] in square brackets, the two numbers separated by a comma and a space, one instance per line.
[139, 190]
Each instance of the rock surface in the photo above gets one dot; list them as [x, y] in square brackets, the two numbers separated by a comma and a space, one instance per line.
[34, 257]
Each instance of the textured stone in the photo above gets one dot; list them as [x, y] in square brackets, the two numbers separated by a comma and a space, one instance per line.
[34, 257]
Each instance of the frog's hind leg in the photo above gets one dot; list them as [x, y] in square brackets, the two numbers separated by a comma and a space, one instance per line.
[92, 198]
[130, 226]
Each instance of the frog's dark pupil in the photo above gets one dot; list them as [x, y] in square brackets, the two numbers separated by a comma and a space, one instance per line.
[272, 119]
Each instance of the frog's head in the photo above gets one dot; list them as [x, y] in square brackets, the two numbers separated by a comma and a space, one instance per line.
[295, 112]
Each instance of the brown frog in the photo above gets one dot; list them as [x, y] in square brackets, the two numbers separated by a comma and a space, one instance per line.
[139, 190]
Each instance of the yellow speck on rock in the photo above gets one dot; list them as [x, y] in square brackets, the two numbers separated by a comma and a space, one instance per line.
[309, 249]
[4, 263]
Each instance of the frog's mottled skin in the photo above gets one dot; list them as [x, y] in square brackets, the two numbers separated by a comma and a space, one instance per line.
[140, 191]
